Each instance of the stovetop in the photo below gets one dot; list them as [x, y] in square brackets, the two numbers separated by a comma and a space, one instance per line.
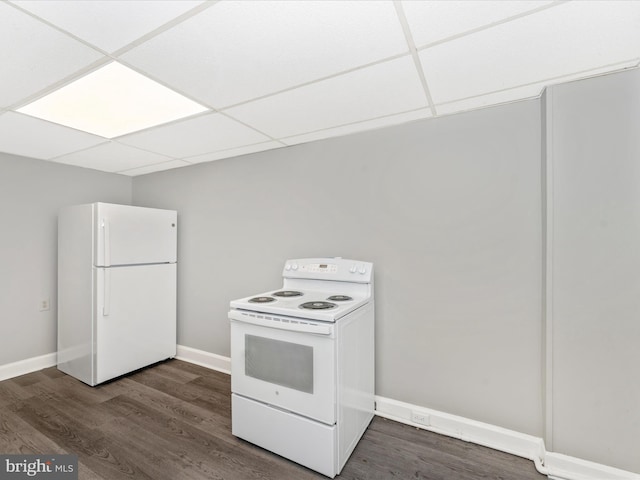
[314, 305]
[324, 289]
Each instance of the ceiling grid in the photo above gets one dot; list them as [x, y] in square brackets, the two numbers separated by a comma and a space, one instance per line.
[270, 74]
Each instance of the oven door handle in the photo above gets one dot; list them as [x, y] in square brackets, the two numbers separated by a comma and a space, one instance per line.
[281, 325]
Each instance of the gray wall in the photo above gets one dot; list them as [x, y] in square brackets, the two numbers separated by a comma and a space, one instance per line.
[595, 179]
[31, 192]
[451, 212]
[447, 209]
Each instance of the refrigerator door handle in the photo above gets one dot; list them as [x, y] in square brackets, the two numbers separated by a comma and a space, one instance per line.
[106, 308]
[106, 242]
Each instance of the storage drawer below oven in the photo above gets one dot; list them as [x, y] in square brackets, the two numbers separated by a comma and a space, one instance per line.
[297, 438]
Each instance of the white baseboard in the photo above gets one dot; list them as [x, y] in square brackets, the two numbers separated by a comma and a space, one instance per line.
[28, 365]
[191, 355]
[204, 359]
[563, 467]
[556, 466]
[498, 438]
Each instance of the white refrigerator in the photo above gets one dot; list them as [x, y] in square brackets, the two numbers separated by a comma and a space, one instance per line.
[116, 289]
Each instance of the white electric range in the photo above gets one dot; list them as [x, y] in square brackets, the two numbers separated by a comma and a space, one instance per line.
[302, 362]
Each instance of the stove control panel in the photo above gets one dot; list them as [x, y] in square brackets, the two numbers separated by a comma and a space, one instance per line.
[337, 269]
[319, 268]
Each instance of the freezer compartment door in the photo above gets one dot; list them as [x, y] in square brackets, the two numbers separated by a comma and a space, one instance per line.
[135, 318]
[126, 235]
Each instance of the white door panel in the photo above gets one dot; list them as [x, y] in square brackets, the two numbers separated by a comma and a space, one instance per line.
[290, 370]
[135, 318]
[128, 235]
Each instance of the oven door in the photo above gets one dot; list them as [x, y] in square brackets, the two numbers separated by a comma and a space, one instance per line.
[287, 363]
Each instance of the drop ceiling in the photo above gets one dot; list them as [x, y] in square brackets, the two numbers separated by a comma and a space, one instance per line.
[270, 74]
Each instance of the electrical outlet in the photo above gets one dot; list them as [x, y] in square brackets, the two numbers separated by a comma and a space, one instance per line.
[44, 304]
[420, 418]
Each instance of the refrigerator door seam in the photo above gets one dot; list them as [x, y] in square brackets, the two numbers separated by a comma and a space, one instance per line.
[136, 264]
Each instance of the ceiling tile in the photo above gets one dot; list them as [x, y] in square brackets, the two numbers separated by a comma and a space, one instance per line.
[107, 24]
[383, 89]
[503, 96]
[240, 50]
[435, 21]
[519, 93]
[235, 152]
[30, 137]
[157, 167]
[112, 157]
[196, 136]
[569, 38]
[34, 55]
[360, 126]
[288, 72]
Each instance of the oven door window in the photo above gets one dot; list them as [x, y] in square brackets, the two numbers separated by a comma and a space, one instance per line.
[281, 363]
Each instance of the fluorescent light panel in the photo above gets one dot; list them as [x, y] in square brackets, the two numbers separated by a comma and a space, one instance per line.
[112, 101]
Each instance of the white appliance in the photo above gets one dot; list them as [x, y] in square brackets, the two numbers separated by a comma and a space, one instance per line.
[116, 289]
[302, 363]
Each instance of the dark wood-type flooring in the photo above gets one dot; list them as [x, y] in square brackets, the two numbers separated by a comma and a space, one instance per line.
[172, 421]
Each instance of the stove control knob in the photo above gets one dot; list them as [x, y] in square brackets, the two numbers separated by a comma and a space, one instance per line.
[294, 266]
[353, 269]
[287, 267]
[362, 270]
